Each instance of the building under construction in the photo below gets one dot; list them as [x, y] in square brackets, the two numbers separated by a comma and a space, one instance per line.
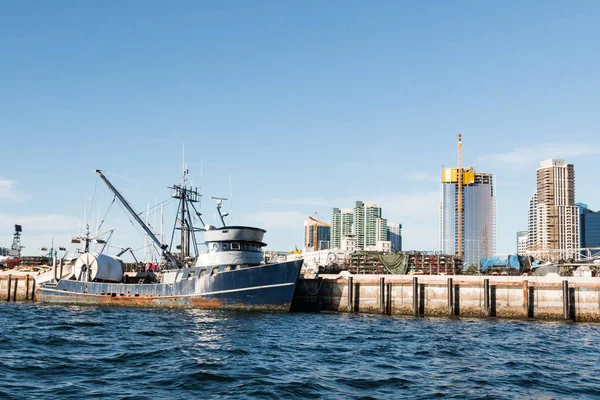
[468, 213]
[317, 234]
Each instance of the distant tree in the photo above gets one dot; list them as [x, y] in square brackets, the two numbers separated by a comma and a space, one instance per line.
[472, 270]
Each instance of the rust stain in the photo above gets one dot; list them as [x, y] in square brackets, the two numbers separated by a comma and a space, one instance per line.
[203, 302]
[158, 302]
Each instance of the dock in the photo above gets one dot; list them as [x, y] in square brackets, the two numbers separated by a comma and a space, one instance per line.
[549, 297]
[17, 287]
[515, 297]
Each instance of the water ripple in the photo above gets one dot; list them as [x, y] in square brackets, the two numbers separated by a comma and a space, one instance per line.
[112, 353]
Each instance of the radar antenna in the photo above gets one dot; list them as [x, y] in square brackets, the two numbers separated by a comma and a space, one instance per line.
[219, 204]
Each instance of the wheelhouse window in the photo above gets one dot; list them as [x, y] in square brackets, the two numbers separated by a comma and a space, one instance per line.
[240, 246]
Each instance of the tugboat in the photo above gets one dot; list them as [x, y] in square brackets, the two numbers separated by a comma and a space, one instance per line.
[232, 274]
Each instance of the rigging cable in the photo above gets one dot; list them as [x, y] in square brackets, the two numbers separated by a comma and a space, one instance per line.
[103, 218]
[165, 202]
[93, 197]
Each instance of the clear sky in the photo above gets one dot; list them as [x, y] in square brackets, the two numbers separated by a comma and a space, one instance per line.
[308, 105]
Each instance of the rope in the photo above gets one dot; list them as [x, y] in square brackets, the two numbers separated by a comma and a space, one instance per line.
[318, 289]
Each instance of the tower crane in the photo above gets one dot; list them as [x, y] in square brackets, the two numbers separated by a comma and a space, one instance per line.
[459, 202]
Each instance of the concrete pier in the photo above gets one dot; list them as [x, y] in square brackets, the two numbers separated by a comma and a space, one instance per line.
[18, 287]
[546, 297]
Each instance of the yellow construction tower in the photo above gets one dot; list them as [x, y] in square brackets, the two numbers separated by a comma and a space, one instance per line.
[459, 202]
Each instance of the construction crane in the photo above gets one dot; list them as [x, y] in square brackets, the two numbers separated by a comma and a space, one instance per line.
[459, 202]
[316, 225]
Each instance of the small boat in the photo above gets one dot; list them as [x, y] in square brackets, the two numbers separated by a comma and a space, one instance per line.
[232, 273]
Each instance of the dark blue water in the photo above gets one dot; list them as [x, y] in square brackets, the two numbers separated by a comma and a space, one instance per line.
[82, 352]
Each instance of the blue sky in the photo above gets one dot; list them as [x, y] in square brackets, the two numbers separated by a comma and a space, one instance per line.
[307, 105]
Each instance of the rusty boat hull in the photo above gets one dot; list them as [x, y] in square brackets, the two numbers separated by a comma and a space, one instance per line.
[267, 287]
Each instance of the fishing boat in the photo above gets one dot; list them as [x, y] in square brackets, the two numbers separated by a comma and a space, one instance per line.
[231, 274]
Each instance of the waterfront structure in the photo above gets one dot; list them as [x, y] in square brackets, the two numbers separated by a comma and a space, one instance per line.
[522, 239]
[478, 214]
[319, 240]
[342, 220]
[556, 215]
[395, 236]
[589, 222]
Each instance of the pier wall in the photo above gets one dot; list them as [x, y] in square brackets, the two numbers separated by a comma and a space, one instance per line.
[18, 288]
[546, 297]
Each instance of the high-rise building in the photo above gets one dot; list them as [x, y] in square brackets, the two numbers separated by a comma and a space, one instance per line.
[323, 236]
[364, 221]
[479, 215]
[342, 220]
[557, 216]
[589, 222]
[522, 240]
[369, 226]
[381, 230]
[395, 236]
[532, 223]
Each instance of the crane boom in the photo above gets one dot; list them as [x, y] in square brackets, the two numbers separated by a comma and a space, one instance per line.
[139, 220]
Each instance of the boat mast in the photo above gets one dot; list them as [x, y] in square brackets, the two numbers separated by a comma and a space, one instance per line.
[167, 254]
[187, 197]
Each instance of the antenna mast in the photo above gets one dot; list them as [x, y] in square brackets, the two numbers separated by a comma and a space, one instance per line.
[187, 197]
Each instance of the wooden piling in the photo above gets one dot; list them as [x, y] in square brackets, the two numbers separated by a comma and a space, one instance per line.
[422, 299]
[492, 300]
[382, 295]
[415, 284]
[531, 303]
[350, 294]
[389, 299]
[15, 289]
[450, 299]
[457, 300]
[526, 297]
[486, 297]
[33, 290]
[572, 309]
[27, 288]
[565, 290]
[8, 288]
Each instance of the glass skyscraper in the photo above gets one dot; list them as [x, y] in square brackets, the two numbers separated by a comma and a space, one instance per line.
[479, 215]
[589, 227]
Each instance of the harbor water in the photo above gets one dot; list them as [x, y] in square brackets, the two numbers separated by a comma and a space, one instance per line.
[115, 353]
